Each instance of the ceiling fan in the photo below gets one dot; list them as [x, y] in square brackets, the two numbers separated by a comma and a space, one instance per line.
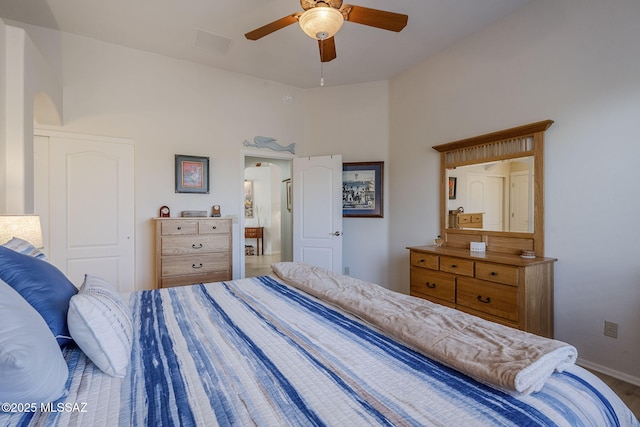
[322, 19]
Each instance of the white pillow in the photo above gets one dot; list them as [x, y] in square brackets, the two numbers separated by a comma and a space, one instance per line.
[31, 363]
[19, 245]
[100, 323]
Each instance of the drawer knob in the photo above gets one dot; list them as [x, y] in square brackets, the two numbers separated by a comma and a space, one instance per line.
[195, 267]
[493, 273]
[214, 227]
[179, 228]
[421, 260]
[197, 247]
[486, 300]
[430, 285]
[453, 266]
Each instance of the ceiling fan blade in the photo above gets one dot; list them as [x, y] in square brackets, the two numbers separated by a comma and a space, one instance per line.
[327, 49]
[375, 18]
[265, 30]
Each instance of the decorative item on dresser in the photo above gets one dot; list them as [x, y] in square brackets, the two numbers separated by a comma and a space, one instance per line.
[255, 233]
[192, 250]
[504, 288]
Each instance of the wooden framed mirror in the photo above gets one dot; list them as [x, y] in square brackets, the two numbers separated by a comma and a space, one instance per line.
[492, 190]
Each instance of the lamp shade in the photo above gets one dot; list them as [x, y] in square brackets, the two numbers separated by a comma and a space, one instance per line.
[25, 227]
[321, 22]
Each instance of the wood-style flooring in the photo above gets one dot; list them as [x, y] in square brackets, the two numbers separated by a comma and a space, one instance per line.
[629, 393]
[259, 265]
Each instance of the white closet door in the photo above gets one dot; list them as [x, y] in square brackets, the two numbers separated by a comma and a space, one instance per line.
[91, 207]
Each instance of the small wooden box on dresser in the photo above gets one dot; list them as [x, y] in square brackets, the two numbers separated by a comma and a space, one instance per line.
[504, 288]
[192, 250]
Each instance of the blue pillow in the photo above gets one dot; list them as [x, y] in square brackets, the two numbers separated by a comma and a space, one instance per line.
[45, 287]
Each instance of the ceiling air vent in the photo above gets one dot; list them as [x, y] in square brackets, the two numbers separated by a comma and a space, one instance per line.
[212, 42]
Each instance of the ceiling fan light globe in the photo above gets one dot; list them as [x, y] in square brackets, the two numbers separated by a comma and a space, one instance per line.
[321, 23]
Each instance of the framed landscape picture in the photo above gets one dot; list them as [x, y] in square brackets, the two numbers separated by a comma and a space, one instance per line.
[362, 189]
[192, 174]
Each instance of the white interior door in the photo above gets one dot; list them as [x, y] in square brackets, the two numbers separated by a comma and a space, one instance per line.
[494, 207]
[519, 203]
[485, 194]
[91, 207]
[317, 211]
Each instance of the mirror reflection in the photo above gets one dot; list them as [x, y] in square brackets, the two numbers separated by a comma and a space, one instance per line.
[494, 196]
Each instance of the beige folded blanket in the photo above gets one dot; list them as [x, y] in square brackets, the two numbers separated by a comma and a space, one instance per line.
[497, 355]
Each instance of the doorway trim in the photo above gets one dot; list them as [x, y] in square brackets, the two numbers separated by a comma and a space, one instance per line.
[267, 155]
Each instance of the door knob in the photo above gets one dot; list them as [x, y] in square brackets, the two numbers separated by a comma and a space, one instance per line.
[337, 233]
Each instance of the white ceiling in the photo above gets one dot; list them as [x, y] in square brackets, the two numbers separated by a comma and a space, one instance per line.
[170, 27]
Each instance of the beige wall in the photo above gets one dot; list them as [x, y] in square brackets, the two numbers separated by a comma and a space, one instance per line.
[354, 121]
[575, 62]
[172, 107]
[31, 88]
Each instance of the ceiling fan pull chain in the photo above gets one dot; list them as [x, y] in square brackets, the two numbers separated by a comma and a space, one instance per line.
[321, 64]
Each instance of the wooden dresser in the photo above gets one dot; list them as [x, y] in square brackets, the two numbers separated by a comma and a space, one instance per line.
[192, 250]
[503, 288]
[466, 220]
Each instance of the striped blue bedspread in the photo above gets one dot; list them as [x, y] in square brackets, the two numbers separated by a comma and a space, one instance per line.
[258, 352]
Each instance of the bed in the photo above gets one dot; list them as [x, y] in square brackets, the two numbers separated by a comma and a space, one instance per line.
[308, 347]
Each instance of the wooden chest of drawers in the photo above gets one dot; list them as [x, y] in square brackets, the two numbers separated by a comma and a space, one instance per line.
[466, 220]
[502, 288]
[192, 250]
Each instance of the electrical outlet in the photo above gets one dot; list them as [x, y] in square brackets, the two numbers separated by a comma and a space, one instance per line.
[346, 271]
[611, 329]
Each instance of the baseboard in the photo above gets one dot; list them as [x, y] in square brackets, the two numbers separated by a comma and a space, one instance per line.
[611, 372]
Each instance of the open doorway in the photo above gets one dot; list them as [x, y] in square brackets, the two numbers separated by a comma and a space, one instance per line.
[267, 215]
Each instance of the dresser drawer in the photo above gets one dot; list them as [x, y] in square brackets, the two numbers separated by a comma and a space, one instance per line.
[497, 273]
[464, 219]
[214, 227]
[463, 267]
[430, 283]
[171, 228]
[420, 259]
[496, 286]
[194, 264]
[196, 244]
[487, 297]
[216, 276]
